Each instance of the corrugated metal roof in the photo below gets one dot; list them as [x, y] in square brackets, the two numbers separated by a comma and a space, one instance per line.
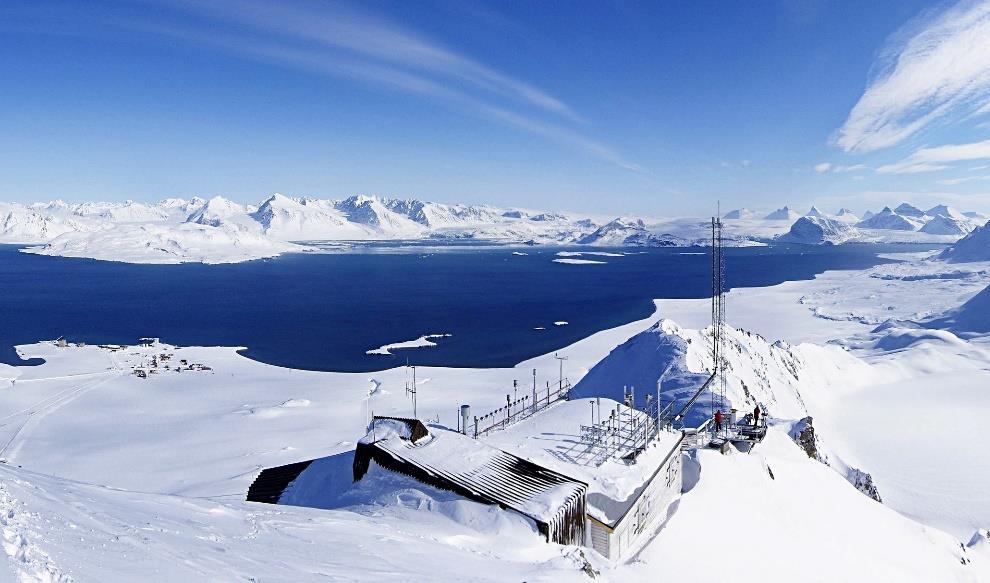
[455, 462]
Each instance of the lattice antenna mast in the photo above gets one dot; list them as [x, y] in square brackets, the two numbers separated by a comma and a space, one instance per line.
[411, 389]
[718, 314]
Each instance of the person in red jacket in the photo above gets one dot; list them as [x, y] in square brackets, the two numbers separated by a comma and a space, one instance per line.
[718, 420]
[756, 416]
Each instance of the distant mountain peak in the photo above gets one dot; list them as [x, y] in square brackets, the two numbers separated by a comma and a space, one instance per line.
[887, 219]
[783, 214]
[740, 213]
[909, 210]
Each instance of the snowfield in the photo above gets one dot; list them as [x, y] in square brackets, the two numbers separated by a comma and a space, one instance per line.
[152, 243]
[132, 463]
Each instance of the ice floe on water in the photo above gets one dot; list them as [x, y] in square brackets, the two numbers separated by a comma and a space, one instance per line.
[580, 262]
[424, 341]
[580, 253]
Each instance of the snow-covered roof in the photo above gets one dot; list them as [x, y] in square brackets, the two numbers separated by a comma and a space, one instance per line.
[456, 462]
[552, 439]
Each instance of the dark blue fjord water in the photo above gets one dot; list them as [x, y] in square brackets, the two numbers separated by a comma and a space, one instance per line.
[323, 311]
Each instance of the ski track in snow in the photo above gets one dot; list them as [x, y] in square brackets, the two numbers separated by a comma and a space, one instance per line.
[39, 410]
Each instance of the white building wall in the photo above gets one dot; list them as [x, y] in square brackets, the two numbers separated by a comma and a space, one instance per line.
[652, 505]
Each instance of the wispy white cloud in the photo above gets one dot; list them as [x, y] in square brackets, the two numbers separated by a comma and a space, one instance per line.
[333, 39]
[823, 167]
[334, 25]
[954, 181]
[937, 66]
[938, 158]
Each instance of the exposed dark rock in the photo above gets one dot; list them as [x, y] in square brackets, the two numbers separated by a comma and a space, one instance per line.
[863, 482]
[803, 433]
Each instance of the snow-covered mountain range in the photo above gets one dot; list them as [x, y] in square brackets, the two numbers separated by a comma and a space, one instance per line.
[219, 230]
[906, 222]
[177, 230]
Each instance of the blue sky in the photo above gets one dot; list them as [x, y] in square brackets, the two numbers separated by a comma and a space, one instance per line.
[652, 107]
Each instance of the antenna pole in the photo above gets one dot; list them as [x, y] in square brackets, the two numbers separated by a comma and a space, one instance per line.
[534, 390]
[561, 360]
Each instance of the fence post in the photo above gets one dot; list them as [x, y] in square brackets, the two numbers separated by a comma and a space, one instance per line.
[534, 391]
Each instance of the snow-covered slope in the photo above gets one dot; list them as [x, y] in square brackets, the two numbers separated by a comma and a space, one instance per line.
[625, 231]
[153, 243]
[909, 210]
[783, 214]
[795, 520]
[19, 224]
[289, 219]
[846, 216]
[743, 213]
[973, 247]
[439, 216]
[888, 219]
[373, 212]
[774, 374]
[219, 211]
[947, 225]
[945, 211]
[971, 317]
[818, 230]
[57, 530]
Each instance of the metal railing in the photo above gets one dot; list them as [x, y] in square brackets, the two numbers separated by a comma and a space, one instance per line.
[626, 432]
[521, 408]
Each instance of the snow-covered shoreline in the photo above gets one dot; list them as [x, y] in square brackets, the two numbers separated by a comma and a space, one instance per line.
[157, 244]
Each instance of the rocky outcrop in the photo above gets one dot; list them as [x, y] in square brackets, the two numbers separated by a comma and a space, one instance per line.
[803, 434]
[863, 482]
